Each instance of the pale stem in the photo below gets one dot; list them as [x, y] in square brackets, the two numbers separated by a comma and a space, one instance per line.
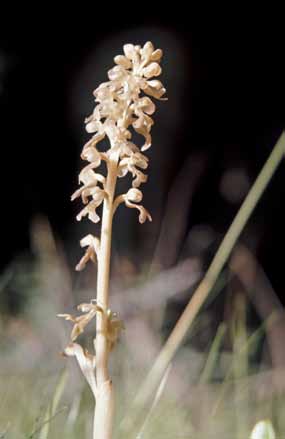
[103, 418]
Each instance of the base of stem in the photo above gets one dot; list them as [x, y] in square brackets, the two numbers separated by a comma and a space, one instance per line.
[104, 411]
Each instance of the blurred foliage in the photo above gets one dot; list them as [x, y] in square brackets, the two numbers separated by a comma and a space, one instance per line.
[219, 393]
[227, 376]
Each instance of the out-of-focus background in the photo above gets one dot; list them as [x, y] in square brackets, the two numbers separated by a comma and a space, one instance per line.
[225, 111]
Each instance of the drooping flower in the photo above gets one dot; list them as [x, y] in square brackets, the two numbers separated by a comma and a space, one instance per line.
[131, 164]
[93, 245]
[98, 196]
[89, 311]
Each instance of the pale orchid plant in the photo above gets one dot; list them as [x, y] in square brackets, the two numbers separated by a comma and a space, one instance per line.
[124, 105]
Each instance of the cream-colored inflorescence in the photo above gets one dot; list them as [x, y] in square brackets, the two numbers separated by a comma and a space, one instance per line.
[124, 106]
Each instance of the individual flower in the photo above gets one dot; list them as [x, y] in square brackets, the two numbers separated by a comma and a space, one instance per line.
[91, 154]
[154, 88]
[93, 245]
[131, 198]
[142, 125]
[89, 179]
[131, 164]
[98, 196]
[89, 311]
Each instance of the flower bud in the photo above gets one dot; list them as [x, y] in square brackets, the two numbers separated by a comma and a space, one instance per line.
[147, 50]
[129, 50]
[116, 73]
[156, 55]
[123, 61]
[153, 69]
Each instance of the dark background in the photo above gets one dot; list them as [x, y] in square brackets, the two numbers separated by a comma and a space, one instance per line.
[225, 82]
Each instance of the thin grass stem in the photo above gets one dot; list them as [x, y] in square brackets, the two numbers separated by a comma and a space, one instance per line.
[204, 288]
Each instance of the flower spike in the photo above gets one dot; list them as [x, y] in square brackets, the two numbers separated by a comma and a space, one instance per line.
[124, 106]
[124, 103]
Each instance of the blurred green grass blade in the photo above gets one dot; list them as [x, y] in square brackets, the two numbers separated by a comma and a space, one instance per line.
[247, 347]
[208, 282]
[155, 402]
[59, 391]
[52, 407]
[240, 338]
[240, 365]
[73, 412]
[213, 355]
[251, 344]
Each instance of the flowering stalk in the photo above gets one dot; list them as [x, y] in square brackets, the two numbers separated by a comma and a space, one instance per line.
[123, 106]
